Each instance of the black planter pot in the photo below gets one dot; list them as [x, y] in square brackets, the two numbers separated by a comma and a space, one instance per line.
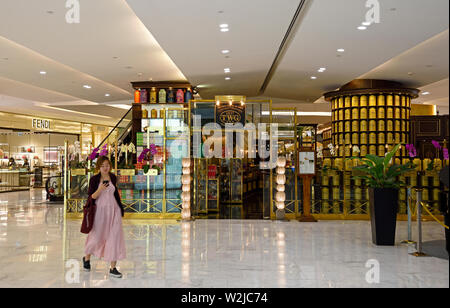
[383, 215]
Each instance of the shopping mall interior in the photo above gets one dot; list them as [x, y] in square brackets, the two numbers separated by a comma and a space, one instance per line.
[250, 144]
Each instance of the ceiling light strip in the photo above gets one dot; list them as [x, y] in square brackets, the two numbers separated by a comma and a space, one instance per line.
[286, 37]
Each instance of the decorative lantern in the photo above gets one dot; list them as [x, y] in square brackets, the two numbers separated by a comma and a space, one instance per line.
[280, 196]
[186, 194]
[281, 170]
[281, 162]
[186, 179]
[185, 214]
[186, 204]
[186, 162]
[281, 179]
[280, 205]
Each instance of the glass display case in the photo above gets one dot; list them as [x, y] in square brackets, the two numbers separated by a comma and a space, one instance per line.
[158, 190]
[206, 185]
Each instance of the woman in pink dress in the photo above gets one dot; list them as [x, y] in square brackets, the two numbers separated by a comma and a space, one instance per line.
[106, 239]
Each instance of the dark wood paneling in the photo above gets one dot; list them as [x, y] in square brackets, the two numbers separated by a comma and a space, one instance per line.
[424, 129]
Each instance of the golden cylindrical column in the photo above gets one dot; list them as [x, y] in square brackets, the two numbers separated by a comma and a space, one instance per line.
[372, 114]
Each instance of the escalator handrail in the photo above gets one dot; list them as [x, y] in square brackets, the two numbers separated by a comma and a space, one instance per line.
[114, 127]
[124, 134]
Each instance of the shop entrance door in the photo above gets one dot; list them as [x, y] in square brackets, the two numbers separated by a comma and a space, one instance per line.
[228, 189]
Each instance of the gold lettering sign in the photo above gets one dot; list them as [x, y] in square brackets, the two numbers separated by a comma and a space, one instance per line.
[41, 124]
[227, 114]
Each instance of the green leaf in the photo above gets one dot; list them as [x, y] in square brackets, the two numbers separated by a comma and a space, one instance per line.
[391, 154]
[377, 171]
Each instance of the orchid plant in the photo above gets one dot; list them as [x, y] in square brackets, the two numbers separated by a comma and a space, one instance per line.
[125, 149]
[74, 156]
[147, 155]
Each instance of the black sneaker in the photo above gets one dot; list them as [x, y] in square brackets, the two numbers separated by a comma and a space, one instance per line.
[115, 273]
[86, 265]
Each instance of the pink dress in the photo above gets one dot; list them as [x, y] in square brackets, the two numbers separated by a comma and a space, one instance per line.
[106, 238]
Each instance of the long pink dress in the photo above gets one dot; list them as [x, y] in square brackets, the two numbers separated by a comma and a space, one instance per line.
[106, 238]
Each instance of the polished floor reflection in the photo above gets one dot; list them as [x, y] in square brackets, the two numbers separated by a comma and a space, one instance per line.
[37, 249]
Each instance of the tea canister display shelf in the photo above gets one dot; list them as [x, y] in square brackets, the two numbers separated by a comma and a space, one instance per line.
[371, 114]
[157, 192]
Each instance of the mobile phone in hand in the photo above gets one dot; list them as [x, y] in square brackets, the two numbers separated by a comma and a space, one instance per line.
[106, 183]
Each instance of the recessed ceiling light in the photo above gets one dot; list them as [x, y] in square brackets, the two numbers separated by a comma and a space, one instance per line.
[224, 30]
[42, 72]
[322, 69]
[366, 23]
[87, 86]
[313, 77]
[224, 26]
[107, 94]
[362, 28]
[425, 93]
[227, 78]
[225, 51]
[226, 70]
[341, 50]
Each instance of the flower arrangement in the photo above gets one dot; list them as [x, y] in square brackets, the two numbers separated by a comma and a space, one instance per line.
[95, 153]
[74, 156]
[320, 151]
[332, 150]
[411, 150]
[147, 156]
[125, 149]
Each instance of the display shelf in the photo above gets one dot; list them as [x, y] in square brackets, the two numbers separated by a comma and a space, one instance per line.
[156, 194]
[371, 122]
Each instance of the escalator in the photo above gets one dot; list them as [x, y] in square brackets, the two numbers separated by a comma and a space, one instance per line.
[78, 190]
[122, 133]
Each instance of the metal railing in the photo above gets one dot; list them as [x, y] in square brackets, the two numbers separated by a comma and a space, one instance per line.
[117, 127]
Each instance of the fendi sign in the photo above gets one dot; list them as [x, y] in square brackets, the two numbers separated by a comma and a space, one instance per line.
[41, 124]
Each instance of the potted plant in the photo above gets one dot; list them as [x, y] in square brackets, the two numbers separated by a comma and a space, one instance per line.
[381, 175]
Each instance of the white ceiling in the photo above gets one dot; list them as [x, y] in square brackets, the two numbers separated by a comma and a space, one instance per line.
[118, 41]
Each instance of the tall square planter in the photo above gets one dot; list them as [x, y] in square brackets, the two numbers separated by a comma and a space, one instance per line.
[383, 215]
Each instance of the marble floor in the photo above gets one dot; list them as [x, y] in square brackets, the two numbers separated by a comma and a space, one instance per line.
[39, 249]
